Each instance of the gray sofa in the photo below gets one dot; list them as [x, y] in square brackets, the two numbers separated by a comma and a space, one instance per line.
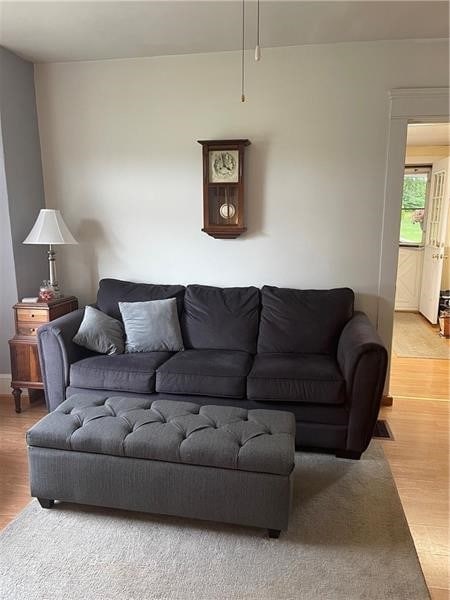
[303, 351]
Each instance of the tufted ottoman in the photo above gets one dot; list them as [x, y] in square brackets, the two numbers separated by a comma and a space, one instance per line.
[176, 458]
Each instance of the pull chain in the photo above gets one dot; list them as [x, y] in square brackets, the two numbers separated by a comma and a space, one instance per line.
[257, 49]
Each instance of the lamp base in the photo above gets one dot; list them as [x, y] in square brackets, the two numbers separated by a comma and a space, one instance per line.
[52, 271]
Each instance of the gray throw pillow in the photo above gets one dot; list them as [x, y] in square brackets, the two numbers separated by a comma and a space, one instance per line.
[151, 326]
[100, 333]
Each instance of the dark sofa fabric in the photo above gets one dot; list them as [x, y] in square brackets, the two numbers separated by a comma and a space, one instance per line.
[304, 351]
[57, 352]
[113, 291]
[220, 318]
[205, 373]
[303, 321]
[289, 377]
[363, 361]
[127, 372]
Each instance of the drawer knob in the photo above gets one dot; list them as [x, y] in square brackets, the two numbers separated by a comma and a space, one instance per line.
[32, 316]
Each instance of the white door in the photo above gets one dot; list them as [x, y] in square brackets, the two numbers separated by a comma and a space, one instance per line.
[436, 228]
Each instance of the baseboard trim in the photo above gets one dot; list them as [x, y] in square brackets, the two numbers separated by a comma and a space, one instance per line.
[387, 400]
[5, 383]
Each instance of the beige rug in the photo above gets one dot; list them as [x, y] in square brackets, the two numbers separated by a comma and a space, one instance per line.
[348, 540]
[414, 337]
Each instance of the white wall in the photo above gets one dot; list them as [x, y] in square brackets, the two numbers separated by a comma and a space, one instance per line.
[121, 161]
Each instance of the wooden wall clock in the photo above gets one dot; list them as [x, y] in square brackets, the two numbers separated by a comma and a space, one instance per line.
[223, 187]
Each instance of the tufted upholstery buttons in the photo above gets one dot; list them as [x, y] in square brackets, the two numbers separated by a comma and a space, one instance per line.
[169, 430]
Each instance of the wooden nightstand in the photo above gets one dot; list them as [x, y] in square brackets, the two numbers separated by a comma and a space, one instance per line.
[25, 369]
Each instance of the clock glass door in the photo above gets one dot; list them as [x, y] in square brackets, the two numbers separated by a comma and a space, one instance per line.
[223, 204]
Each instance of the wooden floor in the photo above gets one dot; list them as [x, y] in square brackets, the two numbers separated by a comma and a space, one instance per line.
[421, 378]
[419, 459]
[419, 456]
[14, 488]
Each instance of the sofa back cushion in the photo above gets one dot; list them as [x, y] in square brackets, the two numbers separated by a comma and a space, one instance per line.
[303, 321]
[113, 291]
[220, 318]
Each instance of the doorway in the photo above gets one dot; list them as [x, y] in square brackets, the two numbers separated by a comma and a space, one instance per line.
[422, 286]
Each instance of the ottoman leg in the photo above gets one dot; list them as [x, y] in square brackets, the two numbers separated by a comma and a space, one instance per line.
[274, 533]
[46, 502]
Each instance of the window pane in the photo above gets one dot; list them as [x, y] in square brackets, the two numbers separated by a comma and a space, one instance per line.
[413, 208]
[411, 226]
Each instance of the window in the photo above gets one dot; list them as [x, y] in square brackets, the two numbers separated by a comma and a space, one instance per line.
[415, 193]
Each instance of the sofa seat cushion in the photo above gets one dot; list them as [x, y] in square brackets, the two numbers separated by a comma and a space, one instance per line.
[311, 378]
[205, 373]
[124, 372]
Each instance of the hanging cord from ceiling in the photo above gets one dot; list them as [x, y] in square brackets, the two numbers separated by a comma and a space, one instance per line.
[258, 48]
[243, 54]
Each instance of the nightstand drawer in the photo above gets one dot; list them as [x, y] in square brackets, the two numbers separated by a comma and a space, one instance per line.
[27, 328]
[32, 315]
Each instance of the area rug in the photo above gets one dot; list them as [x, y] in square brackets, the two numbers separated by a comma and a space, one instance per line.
[348, 540]
[414, 337]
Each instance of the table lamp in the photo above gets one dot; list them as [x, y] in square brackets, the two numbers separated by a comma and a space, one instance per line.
[50, 229]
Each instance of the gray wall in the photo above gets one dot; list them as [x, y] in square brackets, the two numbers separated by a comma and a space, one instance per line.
[23, 168]
[22, 268]
[8, 286]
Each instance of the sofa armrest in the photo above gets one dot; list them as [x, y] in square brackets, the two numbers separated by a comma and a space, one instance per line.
[57, 352]
[362, 359]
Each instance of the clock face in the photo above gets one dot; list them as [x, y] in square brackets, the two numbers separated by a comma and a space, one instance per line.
[227, 211]
[224, 166]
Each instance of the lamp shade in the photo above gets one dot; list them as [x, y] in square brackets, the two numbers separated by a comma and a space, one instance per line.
[50, 229]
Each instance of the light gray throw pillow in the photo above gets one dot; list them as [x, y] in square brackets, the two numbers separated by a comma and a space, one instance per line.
[151, 326]
[100, 333]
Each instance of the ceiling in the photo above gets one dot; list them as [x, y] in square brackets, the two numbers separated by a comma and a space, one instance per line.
[70, 31]
[429, 134]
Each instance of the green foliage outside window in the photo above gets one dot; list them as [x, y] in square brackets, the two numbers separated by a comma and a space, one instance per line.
[414, 191]
[413, 208]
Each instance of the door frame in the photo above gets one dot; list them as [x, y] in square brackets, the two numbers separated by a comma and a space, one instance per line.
[409, 105]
